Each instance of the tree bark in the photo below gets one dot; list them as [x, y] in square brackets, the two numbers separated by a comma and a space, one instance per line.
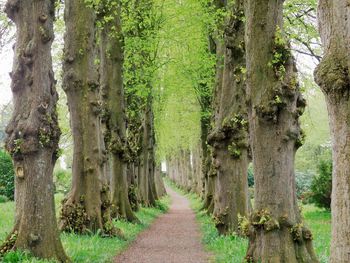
[114, 100]
[332, 75]
[85, 209]
[275, 229]
[147, 190]
[33, 131]
[160, 188]
[229, 138]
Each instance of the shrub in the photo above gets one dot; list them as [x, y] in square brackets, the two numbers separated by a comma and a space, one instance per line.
[321, 186]
[3, 199]
[250, 176]
[303, 183]
[7, 176]
[62, 180]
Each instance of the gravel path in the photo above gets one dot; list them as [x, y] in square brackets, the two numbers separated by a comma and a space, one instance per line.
[173, 238]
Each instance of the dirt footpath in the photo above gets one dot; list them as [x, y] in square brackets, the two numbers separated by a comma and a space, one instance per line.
[173, 238]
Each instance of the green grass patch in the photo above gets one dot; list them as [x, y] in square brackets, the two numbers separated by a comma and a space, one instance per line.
[88, 248]
[232, 249]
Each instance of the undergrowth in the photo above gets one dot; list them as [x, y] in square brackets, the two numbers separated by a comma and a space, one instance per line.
[84, 248]
[232, 248]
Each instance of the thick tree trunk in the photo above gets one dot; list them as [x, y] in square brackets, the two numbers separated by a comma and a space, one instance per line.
[114, 103]
[160, 188]
[132, 186]
[208, 180]
[334, 79]
[147, 189]
[229, 138]
[33, 131]
[83, 210]
[275, 229]
[197, 185]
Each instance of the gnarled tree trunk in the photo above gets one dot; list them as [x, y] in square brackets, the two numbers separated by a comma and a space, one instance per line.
[333, 77]
[229, 138]
[114, 101]
[33, 131]
[275, 228]
[83, 210]
[147, 190]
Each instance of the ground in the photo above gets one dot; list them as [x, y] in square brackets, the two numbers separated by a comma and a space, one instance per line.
[174, 237]
[163, 237]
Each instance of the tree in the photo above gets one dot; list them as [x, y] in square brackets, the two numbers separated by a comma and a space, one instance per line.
[114, 107]
[84, 210]
[33, 132]
[332, 75]
[141, 24]
[275, 228]
[229, 137]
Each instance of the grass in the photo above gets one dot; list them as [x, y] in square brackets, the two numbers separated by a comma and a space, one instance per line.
[88, 248]
[232, 249]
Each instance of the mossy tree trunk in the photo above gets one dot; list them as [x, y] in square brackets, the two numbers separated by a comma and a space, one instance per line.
[229, 138]
[33, 131]
[160, 187]
[197, 185]
[85, 209]
[114, 108]
[275, 228]
[146, 185]
[333, 77]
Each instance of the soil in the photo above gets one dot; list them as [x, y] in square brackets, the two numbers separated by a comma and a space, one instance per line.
[173, 238]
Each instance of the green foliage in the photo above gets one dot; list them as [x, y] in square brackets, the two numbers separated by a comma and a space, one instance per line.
[301, 27]
[3, 199]
[7, 176]
[231, 248]
[315, 125]
[5, 115]
[250, 176]
[303, 184]
[281, 54]
[184, 82]
[62, 180]
[19, 256]
[321, 186]
[88, 248]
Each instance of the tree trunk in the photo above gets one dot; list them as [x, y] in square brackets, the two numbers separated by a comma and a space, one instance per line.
[114, 103]
[229, 138]
[83, 210]
[197, 171]
[333, 77]
[160, 188]
[208, 180]
[33, 131]
[147, 190]
[275, 229]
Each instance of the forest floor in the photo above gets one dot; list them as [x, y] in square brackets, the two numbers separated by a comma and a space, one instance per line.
[85, 248]
[232, 248]
[173, 237]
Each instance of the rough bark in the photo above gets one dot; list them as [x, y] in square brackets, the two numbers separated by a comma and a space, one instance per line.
[333, 77]
[85, 209]
[146, 184]
[160, 188]
[33, 132]
[114, 111]
[208, 180]
[197, 185]
[275, 229]
[229, 138]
